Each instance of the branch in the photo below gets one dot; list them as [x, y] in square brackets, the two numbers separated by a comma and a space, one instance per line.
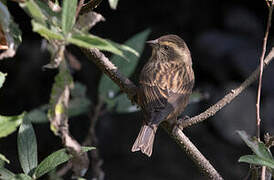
[229, 97]
[111, 71]
[130, 89]
[91, 140]
[92, 4]
[258, 118]
[58, 117]
[197, 157]
[79, 7]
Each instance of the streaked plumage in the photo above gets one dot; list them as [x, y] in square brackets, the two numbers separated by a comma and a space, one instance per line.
[166, 81]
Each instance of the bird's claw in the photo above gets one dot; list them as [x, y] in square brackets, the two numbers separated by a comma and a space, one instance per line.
[179, 123]
[181, 120]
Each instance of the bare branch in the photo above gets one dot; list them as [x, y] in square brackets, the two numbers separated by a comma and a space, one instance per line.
[201, 162]
[80, 5]
[91, 140]
[130, 89]
[258, 118]
[111, 71]
[92, 4]
[229, 97]
[58, 117]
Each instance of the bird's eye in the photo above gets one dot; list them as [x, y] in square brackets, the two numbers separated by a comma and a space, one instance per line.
[166, 47]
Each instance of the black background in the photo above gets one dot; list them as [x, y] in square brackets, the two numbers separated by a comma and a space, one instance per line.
[225, 38]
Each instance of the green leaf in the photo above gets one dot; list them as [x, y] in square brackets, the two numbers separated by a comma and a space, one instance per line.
[2, 164]
[50, 34]
[78, 106]
[6, 174]
[87, 148]
[41, 12]
[254, 159]
[53, 17]
[91, 41]
[257, 147]
[27, 146]
[196, 97]
[21, 177]
[39, 115]
[109, 89]
[2, 157]
[126, 49]
[2, 78]
[124, 105]
[50, 162]
[136, 42]
[68, 15]
[113, 3]
[79, 90]
[8, 124]
[53, 160]
[31, 7]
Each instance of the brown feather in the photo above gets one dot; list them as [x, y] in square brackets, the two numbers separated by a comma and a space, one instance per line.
[166, 82]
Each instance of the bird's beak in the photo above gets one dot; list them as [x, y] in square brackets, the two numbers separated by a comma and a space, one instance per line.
[153, 43]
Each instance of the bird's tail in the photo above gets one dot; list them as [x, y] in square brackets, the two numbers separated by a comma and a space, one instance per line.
[145, 139]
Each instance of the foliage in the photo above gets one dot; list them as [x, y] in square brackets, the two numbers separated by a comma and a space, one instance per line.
[27, 152]
[8, 124]
[108, 90]
[262, 155]
[60, 29]
[27, 146]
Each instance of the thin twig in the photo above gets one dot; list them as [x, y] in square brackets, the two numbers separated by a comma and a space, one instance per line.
[258, 118]
[88, 7]
[80, 5]
[229, 97]
[93, 120]
[91, 140]
[59, 119]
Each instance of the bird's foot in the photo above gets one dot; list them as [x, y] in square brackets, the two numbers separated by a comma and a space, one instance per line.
[180, 121]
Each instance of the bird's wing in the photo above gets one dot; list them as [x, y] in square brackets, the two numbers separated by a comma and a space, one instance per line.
[163, 89]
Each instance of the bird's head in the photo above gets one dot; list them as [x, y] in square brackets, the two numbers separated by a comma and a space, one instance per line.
[170, 48]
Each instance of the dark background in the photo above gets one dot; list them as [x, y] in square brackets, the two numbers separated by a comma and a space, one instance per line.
[225, 38]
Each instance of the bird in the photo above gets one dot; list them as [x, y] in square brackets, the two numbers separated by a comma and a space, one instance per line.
[165, 84]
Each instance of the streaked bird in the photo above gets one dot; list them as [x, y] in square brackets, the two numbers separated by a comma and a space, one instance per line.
[165, 84]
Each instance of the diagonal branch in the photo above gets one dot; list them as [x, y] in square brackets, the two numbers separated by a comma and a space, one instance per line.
[111, 71]
[130, 89]
[191, 150]
[229, 97]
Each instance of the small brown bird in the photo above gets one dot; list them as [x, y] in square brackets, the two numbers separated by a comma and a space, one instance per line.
[166, 82]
